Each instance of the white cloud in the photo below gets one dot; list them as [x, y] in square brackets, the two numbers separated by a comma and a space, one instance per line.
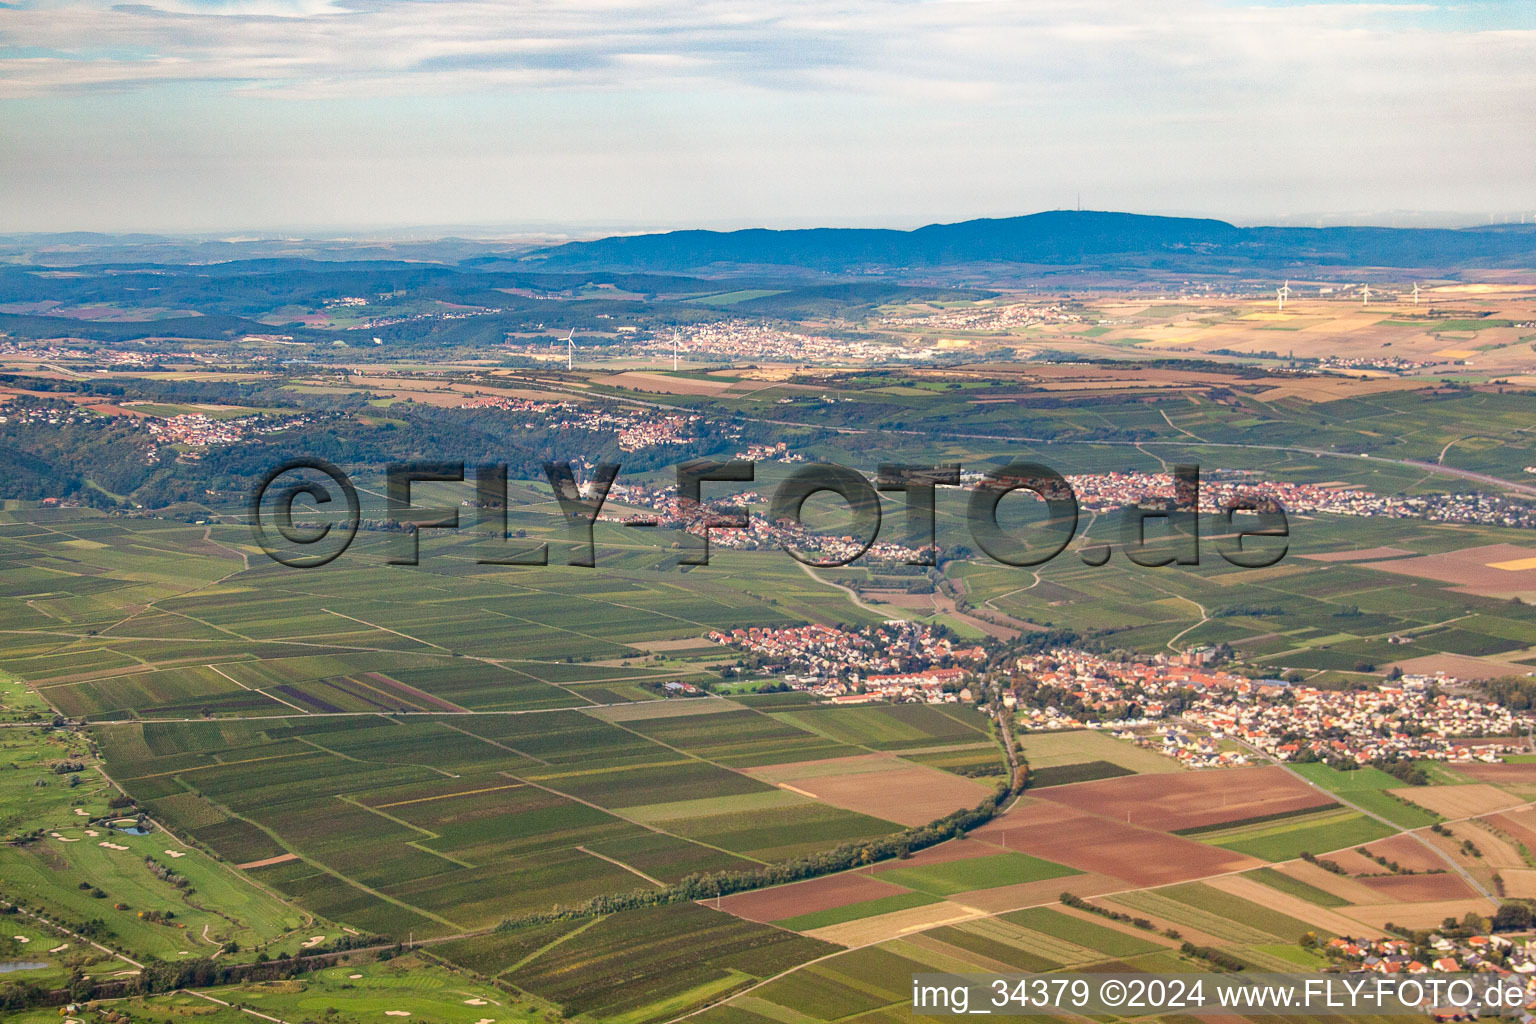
[976, 48]
[251, 112]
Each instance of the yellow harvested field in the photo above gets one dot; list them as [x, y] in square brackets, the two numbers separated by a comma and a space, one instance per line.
[1342, 886]
[1515, 566]
[890, 926]
[1047, 749]
[1285, 903]
[886, 787]
[1416, 915]
[1519, 883]
[1498, 853]
[1459, 801]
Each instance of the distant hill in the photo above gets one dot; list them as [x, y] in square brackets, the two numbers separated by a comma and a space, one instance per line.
[1090, 239]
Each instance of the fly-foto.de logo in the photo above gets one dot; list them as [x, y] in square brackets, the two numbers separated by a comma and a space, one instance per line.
[1167, 532]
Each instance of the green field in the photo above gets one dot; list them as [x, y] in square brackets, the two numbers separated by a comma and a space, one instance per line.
[1366, 788]
[856, 911]
[1286, 840]
[1109, 941]
[987, 872]
[1060, 749]
[1296, 887]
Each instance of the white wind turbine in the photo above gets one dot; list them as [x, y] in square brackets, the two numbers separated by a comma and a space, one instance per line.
[1281, 294]
[1415, 293]
[570, 350]
[1365, 298]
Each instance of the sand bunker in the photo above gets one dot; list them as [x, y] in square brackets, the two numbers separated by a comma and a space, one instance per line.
[313, 941]
[111, 846]
[174, 853]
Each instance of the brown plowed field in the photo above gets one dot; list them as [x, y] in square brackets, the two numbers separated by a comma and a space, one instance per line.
[897, 791]
[1519, 824]
[1469, 801]
[1473, 570]
[1105, 846]
[807, 897]
[1499, 774]
[1407, 851]
[1420, 888]
[1190, 799]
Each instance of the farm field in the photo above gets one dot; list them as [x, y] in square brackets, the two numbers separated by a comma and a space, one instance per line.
[1288, 839]
[1367, 788]
[479, 759]
[1191, 800]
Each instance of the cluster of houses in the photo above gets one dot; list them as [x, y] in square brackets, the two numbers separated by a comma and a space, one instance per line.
[896, 660]
[1406, 720]
[778, 452]
[1106, 492]
[1474, 954]
[32, 412]
[636, 429]
[744, 340]
[985, 318]
[196, 431]
[1387, 364]
[759, 533]
[1409, 718]
[929, 686]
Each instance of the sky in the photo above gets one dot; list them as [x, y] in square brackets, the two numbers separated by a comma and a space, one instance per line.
[580, 117]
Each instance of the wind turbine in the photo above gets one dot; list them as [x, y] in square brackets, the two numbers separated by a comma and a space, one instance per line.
[1415, 293]
[1281, 294]
[570, 350]
[674, 352]
[1365, 299]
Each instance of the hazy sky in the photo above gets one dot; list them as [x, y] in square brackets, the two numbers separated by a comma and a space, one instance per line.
[224, 115]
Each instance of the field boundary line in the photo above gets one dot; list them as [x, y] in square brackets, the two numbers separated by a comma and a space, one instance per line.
[384, 629]
[550, 945]
[627, 867]
[645, 825]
